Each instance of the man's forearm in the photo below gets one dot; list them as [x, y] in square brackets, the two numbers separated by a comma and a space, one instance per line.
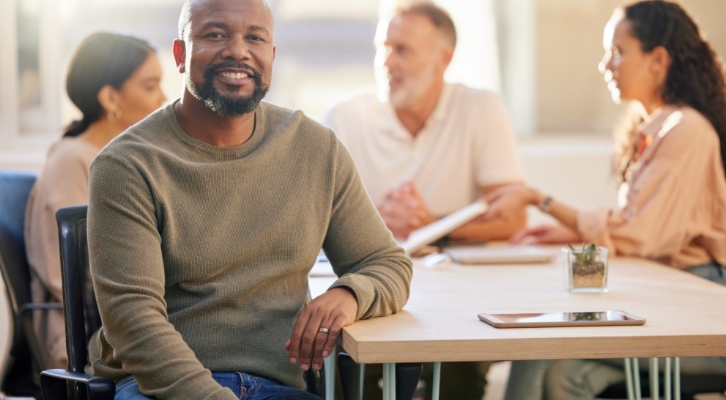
[490, 230]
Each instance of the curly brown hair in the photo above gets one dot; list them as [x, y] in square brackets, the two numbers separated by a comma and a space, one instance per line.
[695, 77]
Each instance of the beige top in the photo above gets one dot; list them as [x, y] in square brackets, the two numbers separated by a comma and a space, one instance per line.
[467, 143]
[673, 204]
[63, 182]
[200, 254]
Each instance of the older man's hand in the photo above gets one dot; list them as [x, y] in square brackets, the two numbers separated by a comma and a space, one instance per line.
[310, 342]
[404, 210]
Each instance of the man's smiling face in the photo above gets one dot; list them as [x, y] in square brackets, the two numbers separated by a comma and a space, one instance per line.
[229, 54]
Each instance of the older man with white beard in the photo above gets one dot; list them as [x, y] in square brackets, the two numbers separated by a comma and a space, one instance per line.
[425, 148]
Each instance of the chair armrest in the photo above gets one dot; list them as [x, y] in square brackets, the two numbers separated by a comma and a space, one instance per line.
[53, 383]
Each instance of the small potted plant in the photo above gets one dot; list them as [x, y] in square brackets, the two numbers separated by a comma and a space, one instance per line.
[586, 269]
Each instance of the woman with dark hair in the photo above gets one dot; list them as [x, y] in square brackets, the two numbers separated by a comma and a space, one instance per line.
[671, 162]
[114, 80]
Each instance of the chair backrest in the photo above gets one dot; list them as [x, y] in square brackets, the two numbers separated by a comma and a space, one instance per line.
[79, 301]
[14, 191]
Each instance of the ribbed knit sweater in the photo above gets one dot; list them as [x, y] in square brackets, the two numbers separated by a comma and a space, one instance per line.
[200, 254]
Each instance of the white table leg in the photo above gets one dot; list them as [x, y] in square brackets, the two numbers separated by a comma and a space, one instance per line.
[389, 381]
[667, 379]
[636, 375]
[629, 379]
[329, 363]
[654, 379]
[437, 382]
[386, 382]
[392, 386]
[677, 378]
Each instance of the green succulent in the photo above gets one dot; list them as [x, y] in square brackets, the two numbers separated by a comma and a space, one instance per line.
[587, 255]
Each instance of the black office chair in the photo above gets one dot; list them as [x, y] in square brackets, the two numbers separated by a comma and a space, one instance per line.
[25, 351]
[82, 320]
[81, 315]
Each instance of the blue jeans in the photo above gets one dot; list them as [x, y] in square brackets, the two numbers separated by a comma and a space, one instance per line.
[244, 386]
[585, 379]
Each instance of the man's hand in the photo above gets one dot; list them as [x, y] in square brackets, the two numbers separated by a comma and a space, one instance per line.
[546, 234]
[404, 210]
[333, 310]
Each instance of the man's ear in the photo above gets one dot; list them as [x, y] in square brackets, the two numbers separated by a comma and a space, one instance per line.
[447, 55]
[180, 54]
[108, 97]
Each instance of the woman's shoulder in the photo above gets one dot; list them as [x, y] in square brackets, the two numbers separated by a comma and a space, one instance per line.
[688, 118]
[70, 151]
[685, 126]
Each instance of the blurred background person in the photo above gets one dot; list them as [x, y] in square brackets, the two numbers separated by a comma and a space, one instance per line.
[114, 80]
[671, 162]
[424, 147]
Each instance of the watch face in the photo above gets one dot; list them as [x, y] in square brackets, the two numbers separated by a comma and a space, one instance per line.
[545, 204]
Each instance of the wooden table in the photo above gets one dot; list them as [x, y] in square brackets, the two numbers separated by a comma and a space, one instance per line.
[685, 316]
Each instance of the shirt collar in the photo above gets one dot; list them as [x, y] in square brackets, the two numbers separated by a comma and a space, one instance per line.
[653, 123]
[389, 120]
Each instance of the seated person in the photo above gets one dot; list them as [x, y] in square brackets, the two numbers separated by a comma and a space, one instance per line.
[205, 218]
[672, 168]
[114, 80]
[426, 148]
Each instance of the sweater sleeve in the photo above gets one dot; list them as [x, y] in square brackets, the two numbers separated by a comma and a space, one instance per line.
[128, 275]
[361, 249]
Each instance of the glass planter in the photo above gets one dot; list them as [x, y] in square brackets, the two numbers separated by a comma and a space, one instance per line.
[585, 272]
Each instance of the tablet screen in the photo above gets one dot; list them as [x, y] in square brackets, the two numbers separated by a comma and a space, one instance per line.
[562, 317]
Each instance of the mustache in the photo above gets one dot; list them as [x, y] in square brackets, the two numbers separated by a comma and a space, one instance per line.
[214, 68]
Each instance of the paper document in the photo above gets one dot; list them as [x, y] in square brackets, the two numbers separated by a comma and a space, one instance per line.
[436, 230]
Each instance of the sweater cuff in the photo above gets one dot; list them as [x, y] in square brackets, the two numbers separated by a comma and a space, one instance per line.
[592, 222]
[362, 289]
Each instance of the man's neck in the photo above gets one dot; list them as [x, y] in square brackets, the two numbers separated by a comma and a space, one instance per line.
[413, 116]
[201, 123]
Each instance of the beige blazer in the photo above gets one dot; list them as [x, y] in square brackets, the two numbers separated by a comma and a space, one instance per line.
[63, 182]
[673, 204]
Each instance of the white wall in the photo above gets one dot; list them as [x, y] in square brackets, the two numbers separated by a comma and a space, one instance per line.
[572, 168]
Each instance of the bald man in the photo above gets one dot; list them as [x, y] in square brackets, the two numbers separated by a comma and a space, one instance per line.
[205, 219]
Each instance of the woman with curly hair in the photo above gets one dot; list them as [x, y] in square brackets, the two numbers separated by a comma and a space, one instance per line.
[671, 161]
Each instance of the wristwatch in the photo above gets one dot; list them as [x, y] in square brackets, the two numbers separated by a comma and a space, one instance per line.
[545, 205]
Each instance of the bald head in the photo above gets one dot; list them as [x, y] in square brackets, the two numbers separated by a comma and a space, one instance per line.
[190, 6]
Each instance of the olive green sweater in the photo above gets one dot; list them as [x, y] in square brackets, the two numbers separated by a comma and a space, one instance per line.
[200, 254]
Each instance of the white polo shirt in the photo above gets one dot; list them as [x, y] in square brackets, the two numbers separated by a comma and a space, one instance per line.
[467, 143]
